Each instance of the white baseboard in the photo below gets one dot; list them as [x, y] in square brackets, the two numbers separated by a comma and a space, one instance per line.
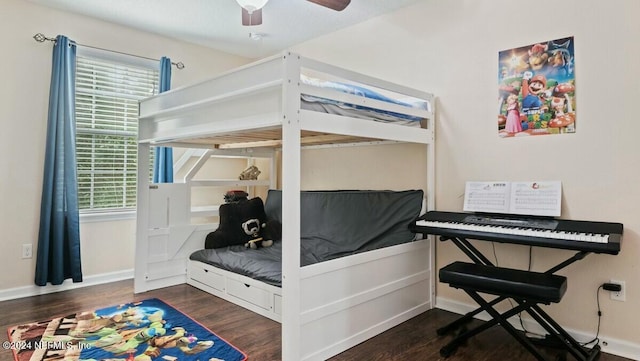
[33, 290]
[608, 344]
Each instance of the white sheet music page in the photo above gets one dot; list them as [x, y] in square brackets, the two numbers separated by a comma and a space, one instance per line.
[536, 198]
[491, 197]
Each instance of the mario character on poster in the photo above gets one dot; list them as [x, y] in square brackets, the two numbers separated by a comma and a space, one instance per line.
[536, 89]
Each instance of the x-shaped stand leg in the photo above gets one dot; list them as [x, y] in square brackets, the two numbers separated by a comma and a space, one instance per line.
[496, 318]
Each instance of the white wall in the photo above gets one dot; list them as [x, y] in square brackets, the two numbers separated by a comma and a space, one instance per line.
[450, 48]
[25, 73]
[361, 167]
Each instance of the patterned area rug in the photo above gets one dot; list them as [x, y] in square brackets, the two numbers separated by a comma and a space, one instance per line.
[141, 331]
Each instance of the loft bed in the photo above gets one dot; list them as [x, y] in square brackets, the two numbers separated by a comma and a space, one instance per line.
[281, 105]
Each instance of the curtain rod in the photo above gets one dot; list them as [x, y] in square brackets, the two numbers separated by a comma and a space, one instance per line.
[39, 37]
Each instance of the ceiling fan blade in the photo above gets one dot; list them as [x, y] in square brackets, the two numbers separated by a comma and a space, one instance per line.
[337, 5]
[255, 18]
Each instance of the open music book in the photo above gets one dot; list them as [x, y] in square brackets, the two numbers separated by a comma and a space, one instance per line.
[536, 198]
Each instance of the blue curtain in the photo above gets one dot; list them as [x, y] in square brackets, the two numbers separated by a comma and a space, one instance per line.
[163, 160]
[58, 255]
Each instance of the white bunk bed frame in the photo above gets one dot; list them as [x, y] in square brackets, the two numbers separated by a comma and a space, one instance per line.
[327, 307]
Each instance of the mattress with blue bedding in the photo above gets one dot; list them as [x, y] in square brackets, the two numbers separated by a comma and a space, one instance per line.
[310, 102]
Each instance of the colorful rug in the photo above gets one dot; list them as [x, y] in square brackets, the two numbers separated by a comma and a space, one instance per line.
[140, 331]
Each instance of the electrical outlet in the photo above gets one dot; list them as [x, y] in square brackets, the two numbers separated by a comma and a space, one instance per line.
[27, 250]
[622, 294]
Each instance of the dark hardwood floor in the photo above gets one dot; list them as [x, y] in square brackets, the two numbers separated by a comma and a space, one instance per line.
[259, 337]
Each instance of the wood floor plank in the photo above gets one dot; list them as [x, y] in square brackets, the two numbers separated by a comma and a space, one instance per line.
[259, 337]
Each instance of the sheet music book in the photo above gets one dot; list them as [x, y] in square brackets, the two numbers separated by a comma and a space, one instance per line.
[536, 198]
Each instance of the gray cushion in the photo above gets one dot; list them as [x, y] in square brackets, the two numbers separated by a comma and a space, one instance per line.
[338, 223]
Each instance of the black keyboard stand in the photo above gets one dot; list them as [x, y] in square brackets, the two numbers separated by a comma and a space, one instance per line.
[477, 257]
[557, 337]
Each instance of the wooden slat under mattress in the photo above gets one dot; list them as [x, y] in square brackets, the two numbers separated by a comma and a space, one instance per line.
[270, 138]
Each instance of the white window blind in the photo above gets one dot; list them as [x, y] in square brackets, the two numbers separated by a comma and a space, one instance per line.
[107, 96]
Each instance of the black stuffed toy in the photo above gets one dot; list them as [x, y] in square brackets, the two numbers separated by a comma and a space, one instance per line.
[252, 227]
[244, 223]
[265, 234]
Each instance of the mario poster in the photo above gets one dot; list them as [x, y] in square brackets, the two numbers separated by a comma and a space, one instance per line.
[536, 89]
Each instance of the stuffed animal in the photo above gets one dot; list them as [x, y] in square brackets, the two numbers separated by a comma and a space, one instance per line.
[232, 216]
[252, 227]
[244, 223]
[264, 234]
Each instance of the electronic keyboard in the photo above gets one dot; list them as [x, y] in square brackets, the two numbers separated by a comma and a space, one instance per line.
[597, 237]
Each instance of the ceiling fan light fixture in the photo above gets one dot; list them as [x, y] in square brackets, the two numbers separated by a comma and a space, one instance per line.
[252, 5]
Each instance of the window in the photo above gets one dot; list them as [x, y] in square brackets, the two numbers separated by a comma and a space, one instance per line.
[107, 95]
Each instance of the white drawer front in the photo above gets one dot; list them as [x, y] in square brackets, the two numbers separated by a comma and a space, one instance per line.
[208, 276]
[251, 294]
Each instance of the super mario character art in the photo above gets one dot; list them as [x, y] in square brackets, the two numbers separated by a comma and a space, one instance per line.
[536, 89]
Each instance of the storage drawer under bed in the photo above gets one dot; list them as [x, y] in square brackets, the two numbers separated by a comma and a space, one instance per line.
[207, 275]
[235, 286]
[250, 293]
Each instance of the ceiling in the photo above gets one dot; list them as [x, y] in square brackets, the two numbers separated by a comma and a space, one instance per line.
[217, 23]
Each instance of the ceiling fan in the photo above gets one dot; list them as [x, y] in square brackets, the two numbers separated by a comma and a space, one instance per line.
[252, 9]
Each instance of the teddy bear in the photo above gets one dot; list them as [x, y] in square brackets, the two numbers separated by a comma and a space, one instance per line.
[252, 227]
[264, 234]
